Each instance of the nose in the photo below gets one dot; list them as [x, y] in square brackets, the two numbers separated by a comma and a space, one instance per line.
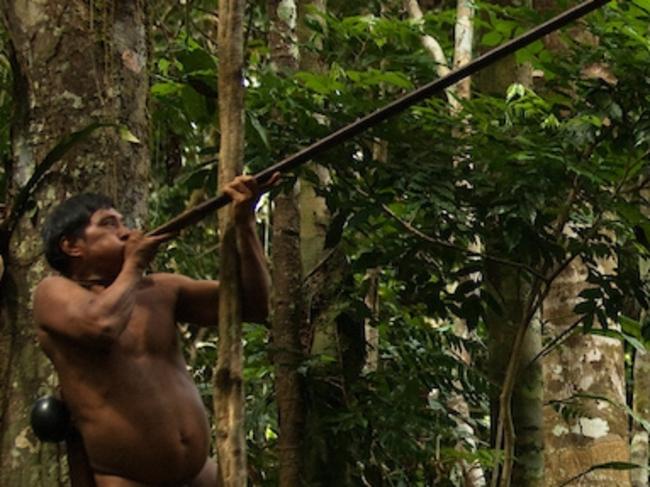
[124, 233]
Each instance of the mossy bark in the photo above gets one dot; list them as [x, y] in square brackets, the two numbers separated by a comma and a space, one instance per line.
[74, 64]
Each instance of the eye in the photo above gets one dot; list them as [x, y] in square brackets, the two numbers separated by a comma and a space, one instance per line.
[109, 222]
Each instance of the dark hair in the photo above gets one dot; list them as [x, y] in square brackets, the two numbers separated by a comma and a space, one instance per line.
[69, 219]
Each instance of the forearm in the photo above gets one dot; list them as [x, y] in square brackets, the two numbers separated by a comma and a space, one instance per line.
[110, 310]
[255, 276]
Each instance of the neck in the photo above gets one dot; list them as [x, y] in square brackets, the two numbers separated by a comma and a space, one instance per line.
[92, 277]
[93, 282]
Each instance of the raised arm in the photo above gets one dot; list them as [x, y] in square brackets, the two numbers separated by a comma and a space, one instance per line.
[198, 300]
[255, 277]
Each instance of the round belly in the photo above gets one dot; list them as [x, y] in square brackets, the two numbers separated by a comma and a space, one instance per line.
[153, 430]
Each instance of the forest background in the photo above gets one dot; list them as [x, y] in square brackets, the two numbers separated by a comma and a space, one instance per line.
[460, 294]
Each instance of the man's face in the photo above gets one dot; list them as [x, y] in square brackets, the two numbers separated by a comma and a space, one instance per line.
[102, 244]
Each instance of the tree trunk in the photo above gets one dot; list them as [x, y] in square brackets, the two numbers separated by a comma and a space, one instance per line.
[641, 407]
[326, 462]
[524, 418]
[526, 401]
[288, 352]
[594, 431]
[74, 64]
[639, 446]
[288, 309]
[229, 384]
[590, 432]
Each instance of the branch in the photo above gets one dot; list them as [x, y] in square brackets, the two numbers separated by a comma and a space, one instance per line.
[442, 243]
[431, 44]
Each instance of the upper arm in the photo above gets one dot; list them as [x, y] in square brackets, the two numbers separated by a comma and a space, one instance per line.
[197, 300]
[60, 307]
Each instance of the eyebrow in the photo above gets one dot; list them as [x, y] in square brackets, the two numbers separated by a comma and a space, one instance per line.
[111, 216]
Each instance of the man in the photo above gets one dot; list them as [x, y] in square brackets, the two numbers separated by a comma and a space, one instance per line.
[110, 331]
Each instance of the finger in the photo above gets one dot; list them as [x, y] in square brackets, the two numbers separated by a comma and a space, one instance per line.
[235, 195]
[243, 190]
[244, 179]
[135, 235]
[164, 237]
[251, 183]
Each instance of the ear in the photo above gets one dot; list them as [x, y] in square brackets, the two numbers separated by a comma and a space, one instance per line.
[71, 246]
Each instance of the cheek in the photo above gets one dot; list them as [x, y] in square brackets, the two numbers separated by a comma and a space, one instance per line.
[109, 244]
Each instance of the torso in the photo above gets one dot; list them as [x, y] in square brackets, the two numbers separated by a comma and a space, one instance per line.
[135, 403]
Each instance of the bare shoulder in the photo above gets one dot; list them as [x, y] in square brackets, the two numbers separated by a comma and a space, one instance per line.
[54, 288]
[51, 284]
[52, 297]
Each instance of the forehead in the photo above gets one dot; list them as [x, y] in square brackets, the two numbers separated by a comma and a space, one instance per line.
[105, 213]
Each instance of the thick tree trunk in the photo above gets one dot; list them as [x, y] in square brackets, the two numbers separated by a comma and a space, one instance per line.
[288, 320]
[641, 406]
[288, 353]
[74, 64]
[596, 431]
[640, 446]
[229, 383]
[325, 458]
[523, 417]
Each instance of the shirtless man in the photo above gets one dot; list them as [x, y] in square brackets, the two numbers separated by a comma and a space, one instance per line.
[110, 331]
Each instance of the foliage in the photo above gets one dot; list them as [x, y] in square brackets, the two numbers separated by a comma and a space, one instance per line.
[576, 153]
[572, 149]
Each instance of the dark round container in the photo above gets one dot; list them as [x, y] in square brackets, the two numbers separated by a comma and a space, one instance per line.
[50, 419]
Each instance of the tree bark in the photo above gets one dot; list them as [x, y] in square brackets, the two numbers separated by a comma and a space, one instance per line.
[641, 407]
[596, 432]
[525, 415]
[325, 460]
[73, 64]
[229, 384]
[639, 445]
[288, 320]
[523, 419]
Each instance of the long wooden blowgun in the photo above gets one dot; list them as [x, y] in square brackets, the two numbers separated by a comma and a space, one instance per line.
[193, 215]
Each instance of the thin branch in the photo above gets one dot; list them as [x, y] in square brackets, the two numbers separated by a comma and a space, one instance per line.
[442, 243]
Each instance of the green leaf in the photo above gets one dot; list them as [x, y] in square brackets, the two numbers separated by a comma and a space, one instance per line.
[197, 60]
[259, 129]
[644, 4]
[128, 136]
[165, 89]
[492, 39]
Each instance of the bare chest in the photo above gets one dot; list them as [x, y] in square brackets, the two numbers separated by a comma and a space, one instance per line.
[152, 328]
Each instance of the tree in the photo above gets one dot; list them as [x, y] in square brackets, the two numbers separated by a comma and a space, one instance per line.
[288, 321]
[74, 65]
[229, 381]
